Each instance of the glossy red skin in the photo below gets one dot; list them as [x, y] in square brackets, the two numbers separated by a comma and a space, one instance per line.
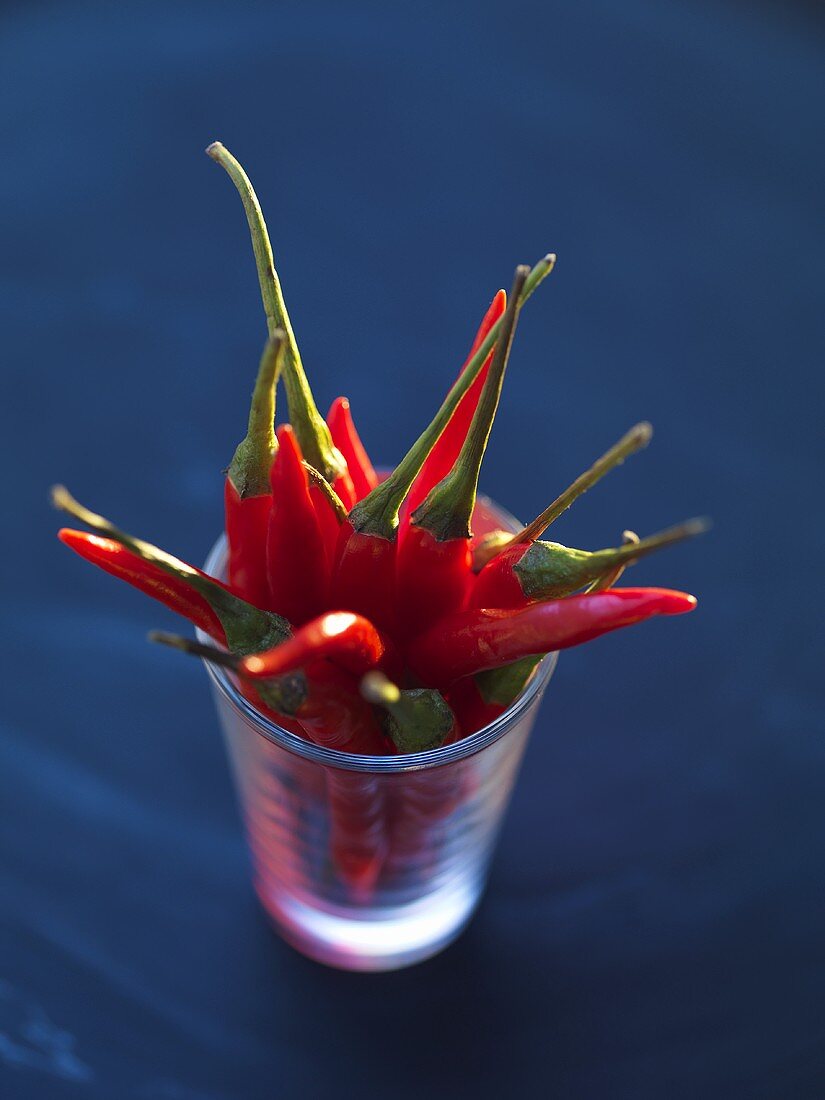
[441, 458]
[175, 594]
[345, 489]
[356, 647]
[364, 576]
[328, 522]
[481, 638]
[297, 563]
[246, 523]
[335, 716]
[346, 439]
[497, 585]
[472, 711]
[433, 578]
[291, 724]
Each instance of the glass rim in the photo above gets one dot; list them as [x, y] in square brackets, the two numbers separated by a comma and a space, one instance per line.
[348, 761]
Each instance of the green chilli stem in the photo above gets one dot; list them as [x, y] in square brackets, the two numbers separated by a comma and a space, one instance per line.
[248, 629]
[629, 538]
[377, 513]
[416, 719]
[310, 427]
[448, 508]
[195, 649]
[634, 440]
[320, 482]
[249, 469]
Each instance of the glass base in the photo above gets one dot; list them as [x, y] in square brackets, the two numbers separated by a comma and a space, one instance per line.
[380, 938]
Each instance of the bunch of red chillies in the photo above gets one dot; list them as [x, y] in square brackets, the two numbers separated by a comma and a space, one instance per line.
[361, 613]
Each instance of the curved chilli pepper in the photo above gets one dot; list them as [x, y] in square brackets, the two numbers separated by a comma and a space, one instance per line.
[246, 491]
[471, 641]
[325, 701]
[442, 457]
[310, 427]
[346, 439]
[176, 594]
[247, 628]
[346, 639]
[535, 571]
[480, 699]
[364, 575]
[296, 558]
[434, 557]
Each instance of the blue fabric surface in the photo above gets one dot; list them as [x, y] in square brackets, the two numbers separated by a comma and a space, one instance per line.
[654, 922]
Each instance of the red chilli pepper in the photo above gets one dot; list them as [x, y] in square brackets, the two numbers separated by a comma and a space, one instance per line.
[322, 699]
[177, 595]
[247, 628]
[297, 563]
[329, 522]
[247, 496]
[470, 641]
[478, 700]
[417, 720]
[346, 639]
[434, 560]
[443, 455]
[346, 439]
[526, 573]
[364, 574]
[335, 717]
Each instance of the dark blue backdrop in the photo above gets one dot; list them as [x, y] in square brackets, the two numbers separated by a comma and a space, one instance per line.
[654, 921]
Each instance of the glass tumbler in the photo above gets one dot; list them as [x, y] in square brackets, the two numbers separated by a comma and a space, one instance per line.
[370, 862]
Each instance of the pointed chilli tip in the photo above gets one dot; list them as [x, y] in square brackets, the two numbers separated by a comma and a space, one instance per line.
[287, 438]
[683, 602]
[673, 602]
[79, 540]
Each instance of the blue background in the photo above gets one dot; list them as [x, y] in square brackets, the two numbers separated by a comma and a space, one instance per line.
[654, 923]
